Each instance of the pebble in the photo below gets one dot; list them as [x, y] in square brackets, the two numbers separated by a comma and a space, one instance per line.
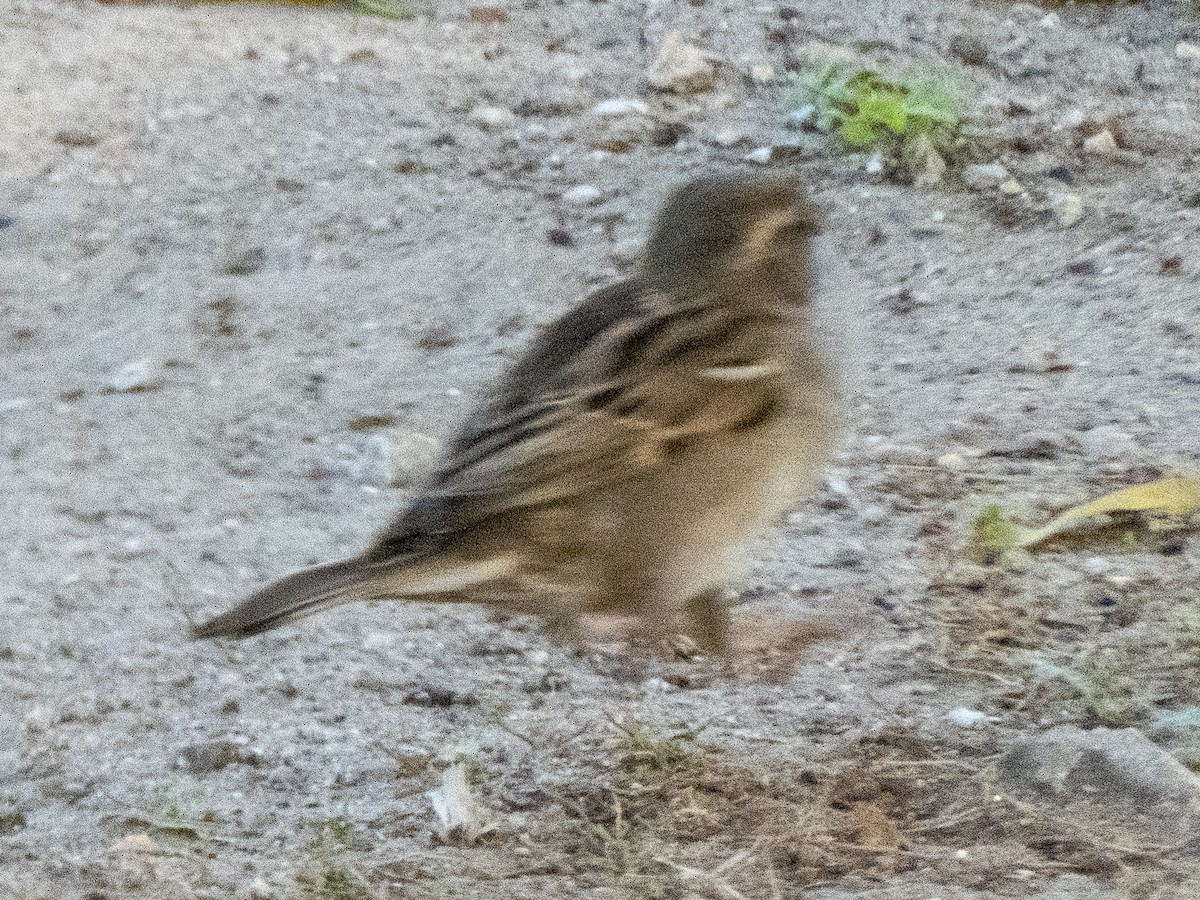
[955, 462]
[201, 759]
[763, 73]
[136, 375]
[1096, 565]
[494, 117]
[1112, 765]
[1068, 208]
[985, 176]
[260, 890]
[1105, 443]
[874, 514]
[932, 165]
[246, 262]
[583, 195]
[1034, 445]
[874, 164]
[759, 156]
[682, 68]
[802, 115]
[965, 717]
[1011, 188]
[1189, 52]
[1050, 20]
[616, 107]
[1101, 144]
[971, 49]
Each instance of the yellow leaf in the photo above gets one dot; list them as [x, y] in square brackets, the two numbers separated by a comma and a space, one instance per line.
[1177, 496]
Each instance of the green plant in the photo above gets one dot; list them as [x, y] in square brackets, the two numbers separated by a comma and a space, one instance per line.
[329, 875]
[388, 9]
[993, 535]
[1099, 687]
[909, 120]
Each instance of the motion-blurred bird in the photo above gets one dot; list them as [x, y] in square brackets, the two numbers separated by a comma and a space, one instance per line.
[623, 463]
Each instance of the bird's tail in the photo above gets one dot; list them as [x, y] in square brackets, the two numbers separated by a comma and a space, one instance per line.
[361, 578]
[293, 597]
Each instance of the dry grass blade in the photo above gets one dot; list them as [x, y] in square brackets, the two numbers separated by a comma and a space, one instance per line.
[1177, 496]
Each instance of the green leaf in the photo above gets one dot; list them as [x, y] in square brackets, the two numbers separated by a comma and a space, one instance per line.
[886, 108]
[858, 132]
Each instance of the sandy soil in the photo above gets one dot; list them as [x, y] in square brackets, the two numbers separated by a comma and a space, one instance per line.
[254, 262]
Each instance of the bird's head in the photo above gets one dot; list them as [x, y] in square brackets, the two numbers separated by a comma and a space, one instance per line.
[721, 231]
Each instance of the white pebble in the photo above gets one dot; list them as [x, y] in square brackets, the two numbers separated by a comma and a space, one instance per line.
[137, 375]
[493, 116]
[1190, 52]
[760, 156]
[1101, 144]
[583, 195]
[619, 106]
[965, 717]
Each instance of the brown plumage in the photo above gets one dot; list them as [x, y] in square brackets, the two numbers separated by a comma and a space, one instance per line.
[625, 460]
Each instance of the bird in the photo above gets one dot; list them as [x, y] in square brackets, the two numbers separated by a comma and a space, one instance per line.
[628, 460]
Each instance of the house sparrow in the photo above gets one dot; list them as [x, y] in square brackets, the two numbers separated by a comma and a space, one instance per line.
[623, 463]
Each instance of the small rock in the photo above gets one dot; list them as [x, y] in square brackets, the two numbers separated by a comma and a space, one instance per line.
[985, 176]
[1050, 20]
[1105, 443]
[583, 195]
[260, 890]
[75, 137]
[1189, 52]
[1034, 445]
[1072, 119]
[1068, 208]
[965, 717]
[493, 117]
[845, 558]
[928, 164]
[201, 759]
[955, 462]
[1101, 144]
[682, 68]
[759, 156]
[874, 164]
[550, 101]
[616, 107]
[802, 116]
[1114, 766]
[1177, 724]
[247, 262]
[1011, 188]
[969, 48]
[730, 136]
[136, 376]
[874, 514]
[763, 73]
[1096, 565]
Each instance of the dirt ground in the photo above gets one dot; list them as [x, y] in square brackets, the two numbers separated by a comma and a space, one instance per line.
[256, 261]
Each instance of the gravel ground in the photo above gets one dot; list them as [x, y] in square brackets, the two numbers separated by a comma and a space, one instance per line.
[256, 260]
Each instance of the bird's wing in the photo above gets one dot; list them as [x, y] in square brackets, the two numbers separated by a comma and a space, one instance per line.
[609, 391]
